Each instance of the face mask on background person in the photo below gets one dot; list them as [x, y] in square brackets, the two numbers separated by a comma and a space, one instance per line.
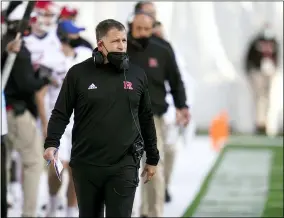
[141, 29]
[75, 42]
[143, 41]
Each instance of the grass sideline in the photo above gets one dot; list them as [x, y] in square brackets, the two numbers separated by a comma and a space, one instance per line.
[274, 204]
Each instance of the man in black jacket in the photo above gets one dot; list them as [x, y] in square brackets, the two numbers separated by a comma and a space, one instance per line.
[21, 116]
[149, 8]
[160, 67]
[113, 124]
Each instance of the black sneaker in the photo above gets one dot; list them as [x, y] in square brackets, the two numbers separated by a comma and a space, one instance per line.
[167, 196]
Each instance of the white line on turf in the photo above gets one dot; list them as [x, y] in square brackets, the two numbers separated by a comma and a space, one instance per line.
[239, 186]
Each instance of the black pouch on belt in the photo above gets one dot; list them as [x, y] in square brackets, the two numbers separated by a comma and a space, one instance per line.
[19, 108]
[137, 150]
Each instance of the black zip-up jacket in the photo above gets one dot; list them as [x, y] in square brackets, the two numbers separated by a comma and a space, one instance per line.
[160, 65]
[22, 83]
[104, 128]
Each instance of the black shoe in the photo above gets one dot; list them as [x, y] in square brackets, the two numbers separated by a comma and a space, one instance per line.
[9, 205]
[143, 216]
[43, 207]
[260, 130]
[168, 197]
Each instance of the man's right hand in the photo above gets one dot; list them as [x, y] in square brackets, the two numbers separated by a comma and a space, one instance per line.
[14, 46]
[49, 154]
[182, 116]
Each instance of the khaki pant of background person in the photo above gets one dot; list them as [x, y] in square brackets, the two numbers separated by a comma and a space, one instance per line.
[260, 84]
[169, 153]
[25, 139]
[153, 193]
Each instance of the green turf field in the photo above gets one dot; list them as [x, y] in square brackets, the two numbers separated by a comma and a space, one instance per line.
[246, 181]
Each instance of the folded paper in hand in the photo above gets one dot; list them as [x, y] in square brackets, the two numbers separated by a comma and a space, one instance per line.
[58, 166]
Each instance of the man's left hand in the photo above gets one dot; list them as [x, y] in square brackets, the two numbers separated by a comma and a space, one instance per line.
[183, 116]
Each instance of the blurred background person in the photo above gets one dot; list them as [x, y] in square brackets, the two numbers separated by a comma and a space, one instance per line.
[73, 56]
[13, 161]
[45, 52]
[160, 66]
[172, 129]
[149, 8]
[70, 13]
[77, 41]
[262, 62]
[45, 49]
[21, 114]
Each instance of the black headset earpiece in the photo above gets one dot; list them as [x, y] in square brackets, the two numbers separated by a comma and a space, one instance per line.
[125, 63]
[98, 57]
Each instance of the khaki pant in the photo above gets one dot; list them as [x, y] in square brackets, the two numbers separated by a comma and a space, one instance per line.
[169, 151]
[25, 139]
[260, 84]
[153, 193]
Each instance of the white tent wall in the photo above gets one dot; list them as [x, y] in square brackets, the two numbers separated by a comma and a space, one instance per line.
[212, 37]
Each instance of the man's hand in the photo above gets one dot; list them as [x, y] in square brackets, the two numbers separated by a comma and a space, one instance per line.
[183, 116]
[149, 171]
[50, 154]
[14, 46]
[54, 83]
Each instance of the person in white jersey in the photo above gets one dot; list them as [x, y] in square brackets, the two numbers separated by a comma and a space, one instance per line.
[45, 49]
[72, 56]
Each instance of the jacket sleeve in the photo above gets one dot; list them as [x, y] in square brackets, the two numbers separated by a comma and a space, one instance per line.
[174, 78]
[147, 126]
[24, 75]
[62, 110]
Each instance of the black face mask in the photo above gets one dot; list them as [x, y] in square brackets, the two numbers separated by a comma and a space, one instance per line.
[119, 59]
[143, 41]
[75, 42]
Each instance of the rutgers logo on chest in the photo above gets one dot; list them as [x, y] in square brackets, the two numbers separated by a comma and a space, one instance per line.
[127, 85]
[153, 62]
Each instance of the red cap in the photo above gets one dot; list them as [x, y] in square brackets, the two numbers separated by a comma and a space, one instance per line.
[42, 4]
[49, 6]
[68, 12]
